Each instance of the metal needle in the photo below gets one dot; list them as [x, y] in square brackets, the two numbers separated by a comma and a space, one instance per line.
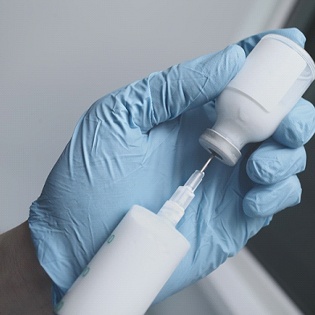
[207, 163]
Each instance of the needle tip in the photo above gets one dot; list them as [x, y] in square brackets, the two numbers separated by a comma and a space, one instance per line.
[207, 163]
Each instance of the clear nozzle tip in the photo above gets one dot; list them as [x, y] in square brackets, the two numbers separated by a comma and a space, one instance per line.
[174, 208]
[194, 180]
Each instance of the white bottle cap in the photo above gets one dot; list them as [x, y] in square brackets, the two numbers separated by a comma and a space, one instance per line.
[222, 148]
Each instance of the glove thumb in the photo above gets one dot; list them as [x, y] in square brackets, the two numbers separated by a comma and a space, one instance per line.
[165, 95]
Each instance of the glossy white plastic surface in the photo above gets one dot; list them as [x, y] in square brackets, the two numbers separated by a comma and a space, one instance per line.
[129, 270]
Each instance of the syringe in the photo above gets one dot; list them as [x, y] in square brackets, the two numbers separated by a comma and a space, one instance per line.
[174, 208]
[136, 260]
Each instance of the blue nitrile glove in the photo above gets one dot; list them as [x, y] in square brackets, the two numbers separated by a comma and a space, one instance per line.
[138, 144]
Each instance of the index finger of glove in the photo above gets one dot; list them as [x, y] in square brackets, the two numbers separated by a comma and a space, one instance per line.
[165, 95]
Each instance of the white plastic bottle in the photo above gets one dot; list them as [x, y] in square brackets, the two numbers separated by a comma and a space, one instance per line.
[132, 266]
[275, 75]
[129, 270]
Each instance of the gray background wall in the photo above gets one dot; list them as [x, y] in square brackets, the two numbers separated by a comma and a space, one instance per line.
[58, 57]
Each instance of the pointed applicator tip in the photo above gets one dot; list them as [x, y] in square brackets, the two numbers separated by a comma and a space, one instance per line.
[207, 163]
[196, 178]
[174, 208]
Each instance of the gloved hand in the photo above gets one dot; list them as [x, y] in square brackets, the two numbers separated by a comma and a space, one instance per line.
[138, 144]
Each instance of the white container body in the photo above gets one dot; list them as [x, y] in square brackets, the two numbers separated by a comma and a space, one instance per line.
[129, 270]
[275, 75]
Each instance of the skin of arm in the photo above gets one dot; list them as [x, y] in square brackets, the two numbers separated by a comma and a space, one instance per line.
[25, 288]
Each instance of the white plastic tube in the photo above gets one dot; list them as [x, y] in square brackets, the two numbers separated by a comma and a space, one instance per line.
[129, 270]
[275, 75]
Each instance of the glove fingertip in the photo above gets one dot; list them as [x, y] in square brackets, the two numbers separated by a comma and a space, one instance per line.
[263, 201]
[292, 33]
[254, 170]
[296, 35]
[298, 126]
[251, 206]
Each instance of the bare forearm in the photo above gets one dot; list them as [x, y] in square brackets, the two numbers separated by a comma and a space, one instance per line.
[25, 288]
